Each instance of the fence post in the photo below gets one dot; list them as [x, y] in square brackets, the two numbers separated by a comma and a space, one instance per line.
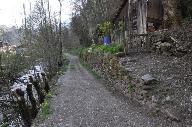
[46, 84]
[40, 93]
[32, 100]
[24, 111]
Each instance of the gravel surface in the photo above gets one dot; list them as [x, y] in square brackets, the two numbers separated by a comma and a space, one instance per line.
[82, 101]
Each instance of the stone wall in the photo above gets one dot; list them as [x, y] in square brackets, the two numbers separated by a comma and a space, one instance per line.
[111, 69]
[107, 66]
[120, 77]
[176, 42]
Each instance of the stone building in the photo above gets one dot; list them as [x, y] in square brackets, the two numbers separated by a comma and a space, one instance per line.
[137, 17]
[140, 15]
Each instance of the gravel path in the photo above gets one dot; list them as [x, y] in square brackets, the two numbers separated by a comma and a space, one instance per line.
[82, 101]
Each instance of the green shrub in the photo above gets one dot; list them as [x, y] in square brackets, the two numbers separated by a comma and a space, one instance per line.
[4, 125]
[112, 48]
[131, 88]
[45, 109]
[105, 27]
[45, 106]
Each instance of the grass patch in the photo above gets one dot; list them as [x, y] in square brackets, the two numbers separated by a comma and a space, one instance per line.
[45, 106]
[112, 48]
[45, 109]
[49, 95]
[131, 88]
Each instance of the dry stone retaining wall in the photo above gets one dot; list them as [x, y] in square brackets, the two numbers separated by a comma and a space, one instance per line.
[114, 70]
[109, 68]
[176, 42]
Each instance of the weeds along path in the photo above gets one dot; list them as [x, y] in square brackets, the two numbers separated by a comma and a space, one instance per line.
[82, 101]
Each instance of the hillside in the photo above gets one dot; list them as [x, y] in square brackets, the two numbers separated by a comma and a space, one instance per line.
[11, 35]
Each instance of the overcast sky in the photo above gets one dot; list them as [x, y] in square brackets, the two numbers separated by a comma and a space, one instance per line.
[11, 11]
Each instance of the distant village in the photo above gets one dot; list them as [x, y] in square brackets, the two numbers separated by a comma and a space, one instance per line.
[9, 40]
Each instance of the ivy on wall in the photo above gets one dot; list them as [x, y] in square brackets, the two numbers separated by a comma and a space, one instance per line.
[105, 28]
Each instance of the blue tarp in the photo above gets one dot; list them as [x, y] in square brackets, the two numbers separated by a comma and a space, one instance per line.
[107, 40]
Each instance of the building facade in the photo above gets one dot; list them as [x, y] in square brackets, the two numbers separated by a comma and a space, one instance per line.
[136, 18]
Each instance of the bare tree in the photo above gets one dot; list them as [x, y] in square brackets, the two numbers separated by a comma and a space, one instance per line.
[60, 41]
[90, 13]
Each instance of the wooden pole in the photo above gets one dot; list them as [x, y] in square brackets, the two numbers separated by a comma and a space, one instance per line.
[46, 84]
[32, 100]
[40, 93]
[126, 50]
